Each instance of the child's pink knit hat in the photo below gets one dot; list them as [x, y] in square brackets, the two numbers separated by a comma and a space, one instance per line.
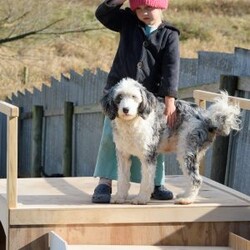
[159, 4]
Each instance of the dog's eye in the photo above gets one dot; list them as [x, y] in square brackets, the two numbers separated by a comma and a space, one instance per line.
[118, 99]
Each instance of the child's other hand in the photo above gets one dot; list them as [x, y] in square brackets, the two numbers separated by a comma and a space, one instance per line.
[170, 111]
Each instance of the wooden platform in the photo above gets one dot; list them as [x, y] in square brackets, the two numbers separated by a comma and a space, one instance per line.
[63, 205]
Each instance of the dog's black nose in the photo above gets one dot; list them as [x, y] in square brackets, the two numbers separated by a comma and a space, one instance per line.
[212, 129]
[125, 110]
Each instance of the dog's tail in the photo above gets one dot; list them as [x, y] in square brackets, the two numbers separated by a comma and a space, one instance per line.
[225, 116]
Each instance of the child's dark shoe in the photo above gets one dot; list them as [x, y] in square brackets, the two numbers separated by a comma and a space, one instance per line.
[161, 193]
[102, 194]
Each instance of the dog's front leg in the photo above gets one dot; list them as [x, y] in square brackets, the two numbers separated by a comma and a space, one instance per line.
[123, 181]
[148, 169]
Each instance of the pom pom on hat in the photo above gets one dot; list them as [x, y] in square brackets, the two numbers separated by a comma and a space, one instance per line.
[159, 4]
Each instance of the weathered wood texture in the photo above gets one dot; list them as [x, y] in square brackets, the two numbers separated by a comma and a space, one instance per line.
[166, 234]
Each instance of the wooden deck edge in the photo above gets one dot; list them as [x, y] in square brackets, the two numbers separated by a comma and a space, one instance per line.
[127, 215]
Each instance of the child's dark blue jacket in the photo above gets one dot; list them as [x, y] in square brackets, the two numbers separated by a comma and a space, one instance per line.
[151, 60]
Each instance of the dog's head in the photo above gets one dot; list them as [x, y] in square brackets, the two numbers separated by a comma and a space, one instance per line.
[128, 99]
[224, 115]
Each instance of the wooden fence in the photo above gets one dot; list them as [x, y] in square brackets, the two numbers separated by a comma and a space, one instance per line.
[60, 125]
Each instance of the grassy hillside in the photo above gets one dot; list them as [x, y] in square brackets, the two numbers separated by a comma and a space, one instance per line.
[209, 25]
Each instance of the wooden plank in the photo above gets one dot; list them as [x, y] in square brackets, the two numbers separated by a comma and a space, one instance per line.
[238, 243]
[9, 109]
[67, 138]
[208, 96]
[12, 152]
[162, 234]
[126, 214]
[220, 146]
[36, 143]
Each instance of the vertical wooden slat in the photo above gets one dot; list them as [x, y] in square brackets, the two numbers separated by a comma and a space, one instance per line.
[67, 155]
[36, 148]
[220, 146]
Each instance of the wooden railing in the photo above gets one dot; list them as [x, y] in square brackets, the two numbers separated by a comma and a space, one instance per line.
[201, 97]
[12, 113]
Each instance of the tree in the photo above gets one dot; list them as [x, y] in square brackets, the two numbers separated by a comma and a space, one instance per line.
[21, 19]
[44, 38]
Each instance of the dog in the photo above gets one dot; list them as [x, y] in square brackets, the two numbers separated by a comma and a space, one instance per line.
[140, 129]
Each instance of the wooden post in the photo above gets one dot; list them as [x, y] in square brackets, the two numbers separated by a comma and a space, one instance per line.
[12, 152]
[25, 75]
[67, 152]
[12, 113]
[37, 130]
[220, 146]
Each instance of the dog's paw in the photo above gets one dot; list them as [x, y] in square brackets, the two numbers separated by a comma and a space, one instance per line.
[117, 199]
[140, 200]
[184, 198]
[184, 201]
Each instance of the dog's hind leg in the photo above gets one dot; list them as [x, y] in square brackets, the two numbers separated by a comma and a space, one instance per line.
[123, 181]
[189, 155]
[148, 169]
[190, 168]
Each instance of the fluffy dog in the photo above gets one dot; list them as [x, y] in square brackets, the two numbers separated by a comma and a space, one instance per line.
[140, 129]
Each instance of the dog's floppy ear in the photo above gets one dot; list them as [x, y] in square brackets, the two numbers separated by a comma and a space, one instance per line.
[148, 103]
[108, 105]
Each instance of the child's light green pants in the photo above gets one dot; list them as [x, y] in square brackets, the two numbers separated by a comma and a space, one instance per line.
[106, 165]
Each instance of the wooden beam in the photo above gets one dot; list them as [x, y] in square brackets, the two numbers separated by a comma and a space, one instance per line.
[210, 97]
[9, 109]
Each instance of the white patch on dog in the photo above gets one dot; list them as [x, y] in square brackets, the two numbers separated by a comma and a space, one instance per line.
[140, 129]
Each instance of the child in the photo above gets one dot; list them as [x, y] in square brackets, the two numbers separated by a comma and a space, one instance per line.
[149, 53]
